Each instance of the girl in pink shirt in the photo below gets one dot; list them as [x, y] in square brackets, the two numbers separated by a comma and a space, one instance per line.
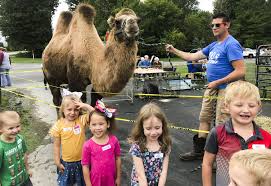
[101, 153]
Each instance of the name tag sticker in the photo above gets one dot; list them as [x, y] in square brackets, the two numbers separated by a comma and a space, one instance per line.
[104, 148]
[258, 146]
[76, 129]
[158, 155]
[67, 129]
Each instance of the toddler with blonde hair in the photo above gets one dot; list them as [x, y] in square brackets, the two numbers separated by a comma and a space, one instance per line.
[250, 168]
[14, 167]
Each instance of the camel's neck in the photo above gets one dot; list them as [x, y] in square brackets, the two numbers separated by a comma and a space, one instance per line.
[117, 66]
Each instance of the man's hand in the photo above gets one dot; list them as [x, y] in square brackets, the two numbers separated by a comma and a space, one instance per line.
[169, 48]
[213, 84]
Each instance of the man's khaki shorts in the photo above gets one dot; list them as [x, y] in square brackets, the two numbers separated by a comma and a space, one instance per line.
[213, 103]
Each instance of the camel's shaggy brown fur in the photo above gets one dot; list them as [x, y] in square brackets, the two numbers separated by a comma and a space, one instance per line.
[76, 55]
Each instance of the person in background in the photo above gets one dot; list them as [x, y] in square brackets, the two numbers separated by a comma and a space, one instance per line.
[140, 60]
[250, 168]
[145, 63]
[240, 132]
[225, 65]
[5, 66]
[2, 71]
[156, 63]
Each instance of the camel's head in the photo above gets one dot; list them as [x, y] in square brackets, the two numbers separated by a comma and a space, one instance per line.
[125, 24]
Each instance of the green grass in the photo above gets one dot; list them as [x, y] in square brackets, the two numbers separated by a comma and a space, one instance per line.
[182, 69]
[173, 59]
[251, 72]
[25, 60]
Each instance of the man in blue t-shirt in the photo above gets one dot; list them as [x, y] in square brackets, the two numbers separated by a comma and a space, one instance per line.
[225, 64]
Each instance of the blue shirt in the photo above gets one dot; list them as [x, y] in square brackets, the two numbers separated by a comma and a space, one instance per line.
[221, 56]
[192, 68]
[144, 63]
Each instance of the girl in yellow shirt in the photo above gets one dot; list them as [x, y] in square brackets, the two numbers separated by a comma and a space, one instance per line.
[69, 133]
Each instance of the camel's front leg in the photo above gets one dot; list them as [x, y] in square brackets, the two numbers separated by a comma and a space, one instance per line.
[78, 86]
[57, 98]
[77, 80]
[94, 97]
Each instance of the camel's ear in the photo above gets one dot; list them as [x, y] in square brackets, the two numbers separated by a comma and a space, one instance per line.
[111, 21]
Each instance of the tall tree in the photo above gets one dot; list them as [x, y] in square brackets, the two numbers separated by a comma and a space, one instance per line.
[197, 29]
[186, 5]
[27, 23]
[159, 17]
[252, 27]
[251, 20]
[226, 6]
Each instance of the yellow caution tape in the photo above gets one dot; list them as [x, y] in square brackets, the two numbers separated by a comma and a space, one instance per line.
[119, 119]
[24, 71]
[179, 96]
[28, 87]
[170, 126]
[29, 97]
[188, 129]
[141, 94]
[20, 71]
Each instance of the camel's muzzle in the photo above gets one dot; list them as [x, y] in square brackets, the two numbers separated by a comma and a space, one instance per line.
[132, 33]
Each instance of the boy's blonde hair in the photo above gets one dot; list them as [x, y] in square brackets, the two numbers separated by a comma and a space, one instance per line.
[256, 162]
[137, 134]
[242, 89]
[7, 117]
[65, 101]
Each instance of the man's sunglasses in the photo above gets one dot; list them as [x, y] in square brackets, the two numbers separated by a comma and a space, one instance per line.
[217, 25]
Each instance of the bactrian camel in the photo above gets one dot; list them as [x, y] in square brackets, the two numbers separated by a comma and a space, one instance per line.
[77, 56]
